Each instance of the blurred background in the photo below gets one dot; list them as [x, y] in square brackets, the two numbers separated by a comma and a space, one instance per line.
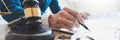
[103, 20]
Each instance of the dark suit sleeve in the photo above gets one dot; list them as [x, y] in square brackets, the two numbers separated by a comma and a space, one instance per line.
[54, 6]
[15, 7]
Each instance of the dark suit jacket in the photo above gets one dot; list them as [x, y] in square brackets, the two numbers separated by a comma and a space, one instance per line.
[17, 10]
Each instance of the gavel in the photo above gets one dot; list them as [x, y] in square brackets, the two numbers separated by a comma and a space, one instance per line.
[29, 27]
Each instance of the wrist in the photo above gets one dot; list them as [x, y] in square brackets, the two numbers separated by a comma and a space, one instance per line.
[44, 19]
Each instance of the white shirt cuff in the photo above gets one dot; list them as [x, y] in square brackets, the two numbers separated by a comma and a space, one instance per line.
[44, 19]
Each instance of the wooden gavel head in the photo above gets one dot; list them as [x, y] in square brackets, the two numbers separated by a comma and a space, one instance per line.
[31, 8]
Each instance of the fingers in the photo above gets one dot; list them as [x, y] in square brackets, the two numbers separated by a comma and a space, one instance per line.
[66, 18]
[75, 14]
[52, 20]
[80, 19]
[84, 15]
[72, 12]
[66, 23]
[64, 14]
[62, 19]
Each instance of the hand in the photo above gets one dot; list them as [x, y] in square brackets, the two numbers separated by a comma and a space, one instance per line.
[84, 15]
[66, 18]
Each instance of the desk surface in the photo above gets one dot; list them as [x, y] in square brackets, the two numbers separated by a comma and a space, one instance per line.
[101, 29]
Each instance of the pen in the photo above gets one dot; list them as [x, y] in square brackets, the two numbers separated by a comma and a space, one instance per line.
[84, 26]
[82, 23]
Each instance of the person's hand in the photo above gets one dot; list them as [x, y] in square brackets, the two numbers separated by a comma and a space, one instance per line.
[66, 18]
[84, 15]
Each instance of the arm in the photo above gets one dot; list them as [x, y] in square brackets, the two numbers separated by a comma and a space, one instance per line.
[54, 6]
[15, 7]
